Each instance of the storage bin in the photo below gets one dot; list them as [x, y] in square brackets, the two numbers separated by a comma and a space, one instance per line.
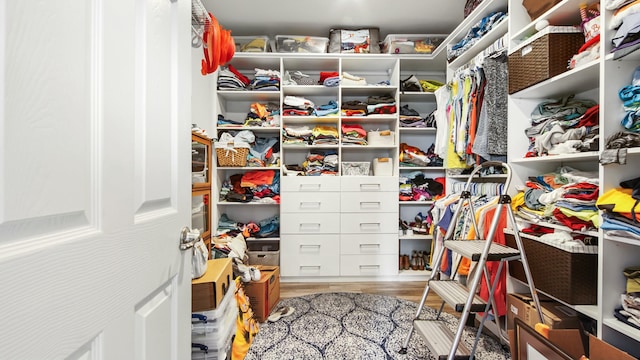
[270, 258]
[382, 167]
[354, 168]
[381, 138]
[301, 44]
[566, 276]
[535, 8]
[251, 43]
[544, 56]
[365, 41]
[411, 43]
[229, 154]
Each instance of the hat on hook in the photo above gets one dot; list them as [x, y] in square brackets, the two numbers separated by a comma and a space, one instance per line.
[211, 46]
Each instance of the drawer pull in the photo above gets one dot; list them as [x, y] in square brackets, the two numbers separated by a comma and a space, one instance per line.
[310, 227]
[310, 268]
[370, 268]
[369, 226]
[369, 246]
[370, 187]
[310, 248]
[310, 205]
[369, 204]
[308, 187]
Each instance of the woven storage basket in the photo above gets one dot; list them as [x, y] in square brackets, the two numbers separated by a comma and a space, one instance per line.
[542, 59]
[570, 277]
[230, 155]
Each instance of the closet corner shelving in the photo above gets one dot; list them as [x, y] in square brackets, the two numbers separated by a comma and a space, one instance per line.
[599, 80]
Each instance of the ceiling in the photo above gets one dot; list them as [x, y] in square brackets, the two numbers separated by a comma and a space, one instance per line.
[316, 18]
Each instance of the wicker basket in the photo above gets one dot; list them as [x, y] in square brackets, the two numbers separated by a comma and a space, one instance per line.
[569, 277]
[542, 59]
[230, 155]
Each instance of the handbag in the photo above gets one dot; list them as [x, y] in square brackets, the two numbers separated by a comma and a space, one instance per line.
[200, 257]
[470, 5]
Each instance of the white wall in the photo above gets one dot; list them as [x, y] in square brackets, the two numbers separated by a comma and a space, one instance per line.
[202, 94]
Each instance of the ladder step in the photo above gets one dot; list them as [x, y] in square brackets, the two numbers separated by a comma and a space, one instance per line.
[472, 249]
[439, 339]
[456, 295]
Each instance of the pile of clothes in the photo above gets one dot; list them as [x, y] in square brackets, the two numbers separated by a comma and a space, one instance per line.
[353, 134]
[624, 20]
[475, 33]
[410, 118]
[229, 78]
[263, 151]
[621, 210]
[303, 135]
[414, 156]
[260, 115]
[300, 106]
[258, 186]
[565, 197]
[383, 104]
[563, 126]
[415, 186]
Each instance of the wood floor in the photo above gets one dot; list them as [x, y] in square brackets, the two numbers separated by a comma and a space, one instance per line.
[408, 290]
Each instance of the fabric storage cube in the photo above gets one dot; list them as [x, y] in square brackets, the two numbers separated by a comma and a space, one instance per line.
[411, 43]
[381, 138]
[263, 252]
[354, 168]
[567, 276]
[382, 167]
[366, 41]
[301, 44]
[543, 56]
[251, 43]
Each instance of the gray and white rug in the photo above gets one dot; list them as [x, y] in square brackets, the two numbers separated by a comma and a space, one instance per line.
[353, 326]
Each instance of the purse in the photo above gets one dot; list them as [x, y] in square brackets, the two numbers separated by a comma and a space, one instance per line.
[200, 257]
[470, 5]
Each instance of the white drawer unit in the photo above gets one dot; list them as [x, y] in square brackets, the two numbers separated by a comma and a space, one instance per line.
[369, 223]
[370, 244]
[369, 183]
[310, 223]
[358, 202]
[310, 202]
[368, 265]
[309, 183]
[310, 255]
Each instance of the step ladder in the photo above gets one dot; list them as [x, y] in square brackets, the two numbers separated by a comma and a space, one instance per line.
[441, 341]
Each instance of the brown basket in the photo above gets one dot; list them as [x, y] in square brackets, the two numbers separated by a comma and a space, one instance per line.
[569, 277]
[232, 156]
[544, 58]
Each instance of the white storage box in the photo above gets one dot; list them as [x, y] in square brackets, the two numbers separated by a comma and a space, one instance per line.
[411, 43]
[271, 258]
[301, 44]
[354, 168]
[251, 43]
[381, 138]
[382, 167]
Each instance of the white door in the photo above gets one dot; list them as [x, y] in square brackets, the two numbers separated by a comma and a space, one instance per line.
[94, 179]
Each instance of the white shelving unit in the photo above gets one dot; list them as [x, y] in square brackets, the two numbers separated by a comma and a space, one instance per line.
[599, 81]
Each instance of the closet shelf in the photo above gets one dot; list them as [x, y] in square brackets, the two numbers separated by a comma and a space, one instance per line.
[368, 90]
[630, 241]
[485, 8]
[583, 156]
[262, 239]
[618, 325]
[417, 130]
[310, 119]
[305, 146]
[406, 96]
[249, 95]
[585, 77]
[276, 168]
[552, 226]
[564, 13]
[307, 90]
[416, 237]
[494, 34]
[416, 202]
[439, 168]
[252, 128]
[367, 147]
[370, 119]
[231, 203]
[465, 177]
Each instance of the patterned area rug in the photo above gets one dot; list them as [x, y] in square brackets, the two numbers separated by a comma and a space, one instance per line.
[353, 326]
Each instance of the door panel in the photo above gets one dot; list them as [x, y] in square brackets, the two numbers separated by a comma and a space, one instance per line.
[94, 179]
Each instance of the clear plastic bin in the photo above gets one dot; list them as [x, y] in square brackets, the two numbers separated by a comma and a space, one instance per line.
[257, 44]
[411, 43]
[301, 44]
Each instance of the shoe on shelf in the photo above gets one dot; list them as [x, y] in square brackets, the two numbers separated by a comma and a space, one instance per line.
[280, 312]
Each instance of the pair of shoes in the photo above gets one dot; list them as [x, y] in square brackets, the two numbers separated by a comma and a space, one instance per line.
[405, 263]
[280, 312]
[246, 273]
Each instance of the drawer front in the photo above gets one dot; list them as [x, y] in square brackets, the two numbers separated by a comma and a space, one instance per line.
[309, 183]
[309, 255]
[369, 223]
[368, 265]
[368, 202]
[370, 244]
[311, 223]
[369, 183]
[296, 202]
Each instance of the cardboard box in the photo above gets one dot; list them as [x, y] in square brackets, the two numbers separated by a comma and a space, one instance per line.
[208, 291]
[265, 293]
[535, 8]
[556, 315]
[570, 341]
